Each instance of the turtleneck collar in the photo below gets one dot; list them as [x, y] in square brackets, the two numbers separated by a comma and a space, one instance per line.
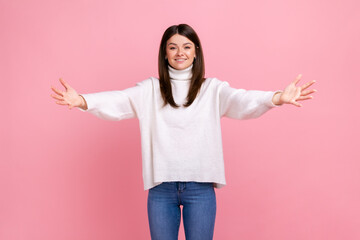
[184, 75]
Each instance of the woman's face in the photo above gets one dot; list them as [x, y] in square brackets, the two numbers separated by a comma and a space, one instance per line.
[180, 52]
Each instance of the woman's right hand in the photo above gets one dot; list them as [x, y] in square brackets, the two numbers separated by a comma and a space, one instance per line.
[69, 97]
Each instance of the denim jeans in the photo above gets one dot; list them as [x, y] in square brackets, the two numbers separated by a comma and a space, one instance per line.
[199, 209]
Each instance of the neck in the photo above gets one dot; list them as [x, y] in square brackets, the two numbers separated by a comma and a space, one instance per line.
[184, 75]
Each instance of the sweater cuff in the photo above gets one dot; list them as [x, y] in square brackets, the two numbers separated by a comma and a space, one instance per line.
[269, 101]
[86, 97]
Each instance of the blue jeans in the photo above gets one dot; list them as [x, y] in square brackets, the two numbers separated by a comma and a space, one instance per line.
[199, 209]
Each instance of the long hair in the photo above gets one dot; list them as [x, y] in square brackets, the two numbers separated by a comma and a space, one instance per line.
[198, 69]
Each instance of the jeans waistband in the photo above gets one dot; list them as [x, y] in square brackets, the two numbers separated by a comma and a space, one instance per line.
[181, 185]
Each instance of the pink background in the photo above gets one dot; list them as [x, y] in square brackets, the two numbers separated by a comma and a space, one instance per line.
[291, 174]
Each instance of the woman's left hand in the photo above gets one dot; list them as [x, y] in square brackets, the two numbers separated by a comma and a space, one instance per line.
[292, 93]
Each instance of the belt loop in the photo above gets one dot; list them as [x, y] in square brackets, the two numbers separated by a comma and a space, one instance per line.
[182, 186]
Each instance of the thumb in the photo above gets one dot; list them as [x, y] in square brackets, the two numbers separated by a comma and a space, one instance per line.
[65, 84]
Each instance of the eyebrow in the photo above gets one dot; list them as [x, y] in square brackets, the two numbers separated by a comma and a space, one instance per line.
[176, 44]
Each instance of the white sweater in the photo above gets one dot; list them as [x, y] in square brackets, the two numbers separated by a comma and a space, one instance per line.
[183, 144]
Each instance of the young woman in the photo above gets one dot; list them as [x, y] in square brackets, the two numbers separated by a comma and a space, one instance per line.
[179, 115]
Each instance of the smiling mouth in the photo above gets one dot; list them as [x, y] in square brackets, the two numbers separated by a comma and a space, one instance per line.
[180, 60]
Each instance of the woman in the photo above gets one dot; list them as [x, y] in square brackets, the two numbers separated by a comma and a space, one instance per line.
[179, 115]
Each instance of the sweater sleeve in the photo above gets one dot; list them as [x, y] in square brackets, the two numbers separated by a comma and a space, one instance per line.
[115, 105]
[244, 104]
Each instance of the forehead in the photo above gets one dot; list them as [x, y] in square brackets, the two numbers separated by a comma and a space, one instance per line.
[178, 39]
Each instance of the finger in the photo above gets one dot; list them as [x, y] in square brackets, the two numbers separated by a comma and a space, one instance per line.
[307, 92]
[304, 98]
[297, 79]
[57, 97]
[306, 85]
[62, 103]
[57, 91]
[67, 86]
[296, 103]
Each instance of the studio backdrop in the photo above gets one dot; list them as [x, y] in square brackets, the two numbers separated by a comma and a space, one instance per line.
[293, 173]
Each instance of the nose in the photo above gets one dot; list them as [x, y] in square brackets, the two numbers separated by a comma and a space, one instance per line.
[179, 52]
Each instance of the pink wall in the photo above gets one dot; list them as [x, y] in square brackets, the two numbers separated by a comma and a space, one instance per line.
[291, 174]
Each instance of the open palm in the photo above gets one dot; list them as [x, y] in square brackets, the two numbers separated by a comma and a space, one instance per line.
[69, 97]
[292, 93]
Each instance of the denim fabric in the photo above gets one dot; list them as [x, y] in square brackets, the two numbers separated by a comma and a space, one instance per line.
[199, 209]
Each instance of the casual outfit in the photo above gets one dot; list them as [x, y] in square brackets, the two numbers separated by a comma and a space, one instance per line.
[180, 145]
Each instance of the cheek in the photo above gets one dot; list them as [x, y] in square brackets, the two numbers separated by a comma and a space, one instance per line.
[169, 54]
[191, 52]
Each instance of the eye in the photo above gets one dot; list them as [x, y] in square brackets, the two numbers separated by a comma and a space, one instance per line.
[172, 48]
[188, 47]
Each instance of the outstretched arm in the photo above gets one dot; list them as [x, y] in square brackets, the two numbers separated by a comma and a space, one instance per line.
[107, 105]
[292, 93]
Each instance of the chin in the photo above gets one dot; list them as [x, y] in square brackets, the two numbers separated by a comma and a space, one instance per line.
[179, 67]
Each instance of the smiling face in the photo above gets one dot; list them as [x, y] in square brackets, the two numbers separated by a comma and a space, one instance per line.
[180, 52]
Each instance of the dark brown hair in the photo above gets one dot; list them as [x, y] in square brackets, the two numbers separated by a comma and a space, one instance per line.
[198, 69]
